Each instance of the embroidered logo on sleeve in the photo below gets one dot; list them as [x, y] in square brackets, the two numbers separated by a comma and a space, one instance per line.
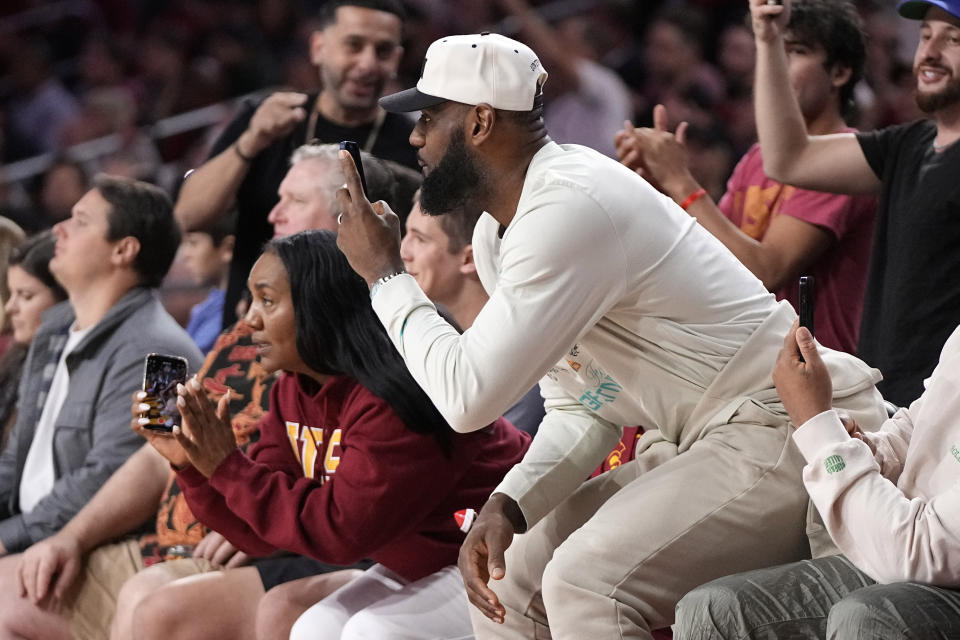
[834, 464]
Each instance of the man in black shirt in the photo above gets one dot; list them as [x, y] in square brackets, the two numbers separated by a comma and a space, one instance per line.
[912, 301]
[357, 49]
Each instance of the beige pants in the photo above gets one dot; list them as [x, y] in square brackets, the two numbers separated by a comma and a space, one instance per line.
[614, 558]
[92, 601]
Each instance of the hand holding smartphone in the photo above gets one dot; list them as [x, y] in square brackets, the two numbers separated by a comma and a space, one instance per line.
[807, 300]
[161, 375]
[354, 150]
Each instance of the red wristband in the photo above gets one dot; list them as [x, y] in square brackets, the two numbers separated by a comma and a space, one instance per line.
[693, 197]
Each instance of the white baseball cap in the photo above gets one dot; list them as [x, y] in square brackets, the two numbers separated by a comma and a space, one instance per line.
[473, 69]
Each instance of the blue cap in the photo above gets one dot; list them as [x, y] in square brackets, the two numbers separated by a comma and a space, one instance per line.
[917, 9]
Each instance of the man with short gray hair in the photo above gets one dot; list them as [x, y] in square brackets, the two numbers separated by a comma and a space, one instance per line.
[307, 193]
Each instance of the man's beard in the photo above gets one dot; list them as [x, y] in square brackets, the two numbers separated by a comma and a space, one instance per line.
[454, 183]
[946, 97]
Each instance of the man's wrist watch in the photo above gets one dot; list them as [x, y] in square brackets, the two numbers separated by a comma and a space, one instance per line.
[382, 279]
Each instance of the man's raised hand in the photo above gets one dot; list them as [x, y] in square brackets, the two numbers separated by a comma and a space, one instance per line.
[276, 117]
[801, 377]
[369, 234]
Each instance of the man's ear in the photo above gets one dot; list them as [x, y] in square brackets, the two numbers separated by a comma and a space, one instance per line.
[125, 251]
[316, 48]
[467, 266]
[482, 119]
[840, 75]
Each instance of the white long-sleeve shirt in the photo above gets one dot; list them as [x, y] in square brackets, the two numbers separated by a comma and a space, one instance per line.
[894, 513]
[631, 312]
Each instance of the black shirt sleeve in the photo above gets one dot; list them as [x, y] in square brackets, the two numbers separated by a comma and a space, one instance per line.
[882, 145]
[236, 127]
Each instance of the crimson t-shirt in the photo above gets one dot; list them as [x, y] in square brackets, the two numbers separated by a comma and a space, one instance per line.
[753, 200]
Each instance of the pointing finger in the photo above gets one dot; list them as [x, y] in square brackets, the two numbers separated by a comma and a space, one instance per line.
[352, 175]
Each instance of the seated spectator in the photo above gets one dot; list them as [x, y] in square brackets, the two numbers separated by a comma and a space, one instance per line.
[85, 360]
[207, 255]
[33, 290]
[437, 251]
[888, 500]
[89, 600]
[362, 483]
[778, 231]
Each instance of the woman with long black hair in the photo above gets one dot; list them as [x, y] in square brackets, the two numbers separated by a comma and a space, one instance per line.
[33, 290]
[353, 460]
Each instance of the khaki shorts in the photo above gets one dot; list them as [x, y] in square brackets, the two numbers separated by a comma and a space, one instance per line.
[92, 601]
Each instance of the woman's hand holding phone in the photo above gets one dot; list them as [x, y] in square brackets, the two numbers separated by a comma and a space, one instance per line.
[145, 405]
[206, 433]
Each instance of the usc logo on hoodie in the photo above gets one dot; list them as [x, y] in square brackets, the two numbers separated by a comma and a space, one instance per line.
[307, 443]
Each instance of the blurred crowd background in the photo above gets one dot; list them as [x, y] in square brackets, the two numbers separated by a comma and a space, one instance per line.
[142, 87]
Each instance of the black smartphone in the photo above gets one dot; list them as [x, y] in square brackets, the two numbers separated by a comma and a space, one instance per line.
[774, 1]
[161, 375]
[354, 150]
[807, 300]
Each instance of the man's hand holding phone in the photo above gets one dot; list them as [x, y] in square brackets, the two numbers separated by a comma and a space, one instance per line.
[801, 377]
[369, 234]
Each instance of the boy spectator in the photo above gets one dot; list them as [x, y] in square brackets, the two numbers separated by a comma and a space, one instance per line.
[912, 301]
[437, 251]
[206, 255]
[778, 231]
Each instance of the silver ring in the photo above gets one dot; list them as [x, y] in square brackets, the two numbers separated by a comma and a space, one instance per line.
[339, 218]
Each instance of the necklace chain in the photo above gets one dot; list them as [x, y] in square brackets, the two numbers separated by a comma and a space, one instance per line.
[371, 137]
